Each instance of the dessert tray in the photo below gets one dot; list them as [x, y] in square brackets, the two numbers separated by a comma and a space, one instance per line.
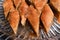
[23, 33]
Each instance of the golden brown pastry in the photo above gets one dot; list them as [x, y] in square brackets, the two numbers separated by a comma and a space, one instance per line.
[23, 12]
[13, 19]
[39, 4]
[17, 3]
[7, 5]
[47, 17]
[33, 18]
[55, 4]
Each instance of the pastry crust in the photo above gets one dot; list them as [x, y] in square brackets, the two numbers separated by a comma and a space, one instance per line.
[55, 4]
[39, 4]
[33, 18]
[14, 19]
[17, 3]
[23, 12]
[7, 5]
[47, 17]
